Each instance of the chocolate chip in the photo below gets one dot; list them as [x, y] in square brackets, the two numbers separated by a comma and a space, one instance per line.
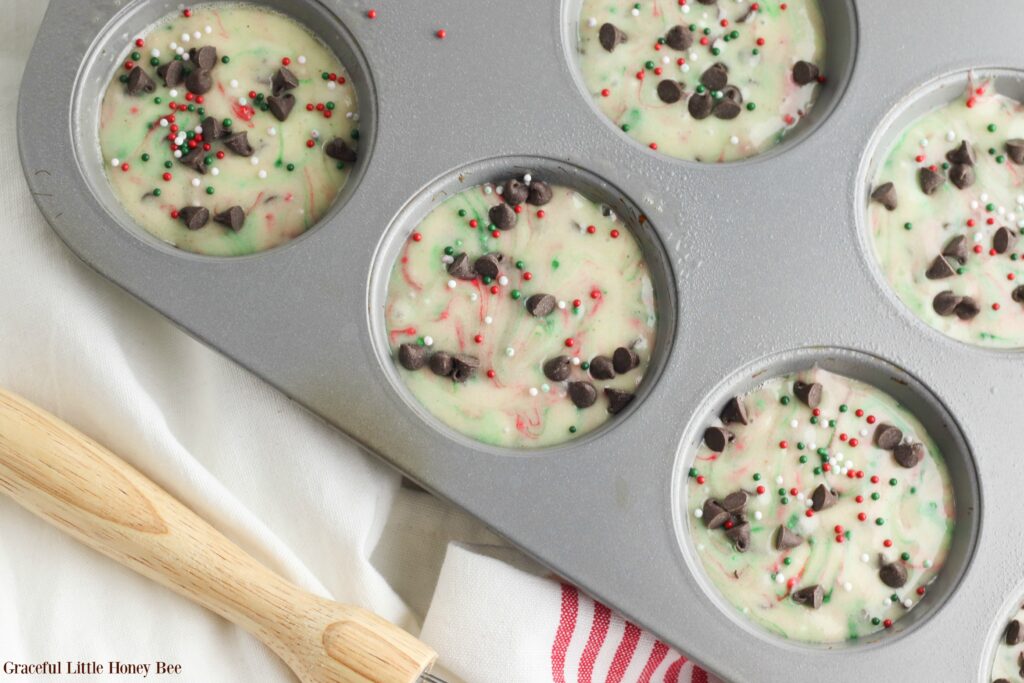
[601, 368]
[956, 248]
[194, 217]
[239, 144]
[582, 394]
[810, 596]
[679, 38]
[515, 192]
[909, 454]
[731, 92]
[700, 105]
[887, 437]
[962, 176]
[823, 498]
[714, 515]
[283, 80]
[1018, 294]
[929, 180]
[1004, 240]
[461, 268]
[199, 82]
[893, 574]
[610, 35]
[726, 109]
[139, 82]
[785, 539]
[213, 129]
[617, 400]
[195, 159]
[233, 217]
[441, 363]
[939, 269]
[715, 76]
[670, 91]
[412, 356]
[1015, 150]
[809, 393]
[502, 216]
[1013, 634]
[205, 58]
[558, 368]
[463, 366]
[625, 359]
[945, 303]
[735, 501]
[734, 412]
[339, 149]
[539, 305]
[961, 154]
[885, 194]
[967, 308]
[805, 72]
[281, 105]
[740, 536]
[540, 193]
[717, 438]
[488, 265]
[173, 73]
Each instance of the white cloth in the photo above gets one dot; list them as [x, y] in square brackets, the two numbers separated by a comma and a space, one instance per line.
[292, 492]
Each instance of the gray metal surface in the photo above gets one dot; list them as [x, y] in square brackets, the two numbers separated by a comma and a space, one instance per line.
[764, 257]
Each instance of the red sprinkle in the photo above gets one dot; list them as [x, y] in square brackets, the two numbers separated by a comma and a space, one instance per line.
[862, 516]
[653, 145]
[995, 307]
[920, 590]
[527, 275]
[887, 623]
[859, 412]
[809, 513]
[167, 176]
[859, 499]
[887, 543]
[441, 34]
[309, 107]
[700, 479]
[187, 13]
[838, 528]
[473, 223]
[839, 538]
[595, 294]
[286, 61]
[854, 443]
[175, 214]
[125, 166]
[495, 234]
[615, 234]
[783, 444]
[310, 142]
[576, 303]
[371, 14]
[541, 214]
[874, 478]
[220, 154]
[871, 419]
[760, 490]
[591, 229]
[760, 41]
[491, 373]
[479, 338]
[139, 42]
[570, 342]
[129, 65]
[606, 92]
[416, 237]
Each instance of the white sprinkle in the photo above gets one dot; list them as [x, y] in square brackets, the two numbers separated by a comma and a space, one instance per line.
[473, 296]
[974, 204]
[950, 136]
[698, 513]
[331, 85]
[561, 305]
[635, 12]
[509, 351]
[927, 564]
[243, 101]
[808, 502]
[174, 46]
[215, 171]
[863, 431]
[262, 174]
[686, 9]
[181, 53]
[115, 162]
[813, 446]
[533, 391]
[684, 67]
[924, 142]
[272, 131]
[984, 196]
[173, 93]
[154, 52]
[545, 387]
[195, 182]
[451, 284]
[233, 83]
[315, 134]
[1020, 199]
[355, 116]
[208, 29]
[255, 161]
[847, 586]
[592, 22]
[446, 259]
[1001, 210]
[865, 558]
[575, 360]
[500, 189]
[666, 59]
[886, 602]
[839, 456]
[734, 140]
[488, 189]
[301, 59]
[800, 496]
[199, 130]
[197, 35]
[779, 479]
[908, 603]
[488, 320]
[177, 154]
[502, 280]
[780, 578]
[843, 470]
[185, 37]
[757, 514]
[978, 237]
[527, 178]
[794, 423]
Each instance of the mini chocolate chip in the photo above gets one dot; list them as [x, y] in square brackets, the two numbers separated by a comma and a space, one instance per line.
[939, 269]
[412, 356]
[625, 359]
[582, 394]
[962, 176]
[945, 303]
[233, 218]
[956, 248]
[503, 216]
[810, 596]
[805, 72]
[239, 144]
[601, 368]
[809, 393]
[1018, 294]
[617, 399]
[714, 515]
[885, 194]
[463, 366]
[961, 154]
[213, 129]
[461, 268]
[139, 82]
[539, 305]
[823, 498]
[199, 82]
[609, 35]
[1015, 150]
[283, 79]
[196, 160]
[488, 265]
[731, 92]
[700, 105]
[909, 454]
[717, 438]
[205, 58]
[715, 76]
[735, 501]
[887, 437]
[967, 308]
[740, 536]
[339, 149]
[540, 193]
[1004, 240]
[893, 574]
[173, 73]
[785, 539]
[441, 363]
[557, 369]
[515, 192]
[1013, 634]
[194, 217]
[929, 180]
[679, 38]
[734, 412]
[281, 105]
[726, 109]
[670, 91]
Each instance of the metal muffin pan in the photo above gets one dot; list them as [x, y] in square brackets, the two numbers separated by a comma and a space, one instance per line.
[766, 257]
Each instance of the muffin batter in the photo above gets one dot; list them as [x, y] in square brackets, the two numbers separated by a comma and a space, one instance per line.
[1008, 664]
[523, 326]
[228, 129]
[946, 211]
[701, 80]
[820, 508]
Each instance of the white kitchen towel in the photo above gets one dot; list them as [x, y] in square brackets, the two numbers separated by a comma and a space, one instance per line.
[297, 495]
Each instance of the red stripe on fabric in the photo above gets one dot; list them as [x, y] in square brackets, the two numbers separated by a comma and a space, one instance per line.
[672, 675]
[698, 675]
[598, 632]
[563, 636]
[655, 659]
[624, 653]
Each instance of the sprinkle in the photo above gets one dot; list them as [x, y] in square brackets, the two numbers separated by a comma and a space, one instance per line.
[451, 284]
[262, 174]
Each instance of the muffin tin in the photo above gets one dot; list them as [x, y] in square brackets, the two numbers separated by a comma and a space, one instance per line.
[761, 267]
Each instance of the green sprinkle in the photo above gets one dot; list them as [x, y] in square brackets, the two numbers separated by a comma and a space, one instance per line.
[693, 471]
[572, 429]
[355, 135]
[208, 160]
[290, 167]
[625, 128]
[905, 556]
[787, 561]
[520, 265]
[803, 459]
[227, 123]
[487, 279]
[449, 250]
[158, 100]
[945, 165]
[191, 107]
[831, 423]
[123, 78]
[201, 111]
[822, 451]
[875, 495]
[585, 365]
[800, 445]
[817, 470]
[707, 31]
[879, 521]
[264, 107]
[784, 400]
[814, 420]
[421, 342]
[782, 492]
[326, 76]
[751, 106]
[462, 213]
[516, 294]
[168, 164]
[876, 621]
[701, 90]
[913, 489]
[136, 56]
[961, 270]
[157, 192]
[908, 226]
[843, 408]
[892, 482]
[755, 52]
[153, 61]
[225, 59]
[555, 264]
[649, 64]
[990, 207]
[785, 500]
[716, 51]
[209, 190]
[757, 476]
[145, 156]
[1000, 159]
[341, 165]
[991, 128]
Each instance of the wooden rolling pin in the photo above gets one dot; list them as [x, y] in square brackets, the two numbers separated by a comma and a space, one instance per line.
[79, 486]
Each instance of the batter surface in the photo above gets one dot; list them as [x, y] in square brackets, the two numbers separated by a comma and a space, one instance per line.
[1008, 663]
[524, 326]
[703, 80]
[945, 214]
[229, 129]
[820, 507]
